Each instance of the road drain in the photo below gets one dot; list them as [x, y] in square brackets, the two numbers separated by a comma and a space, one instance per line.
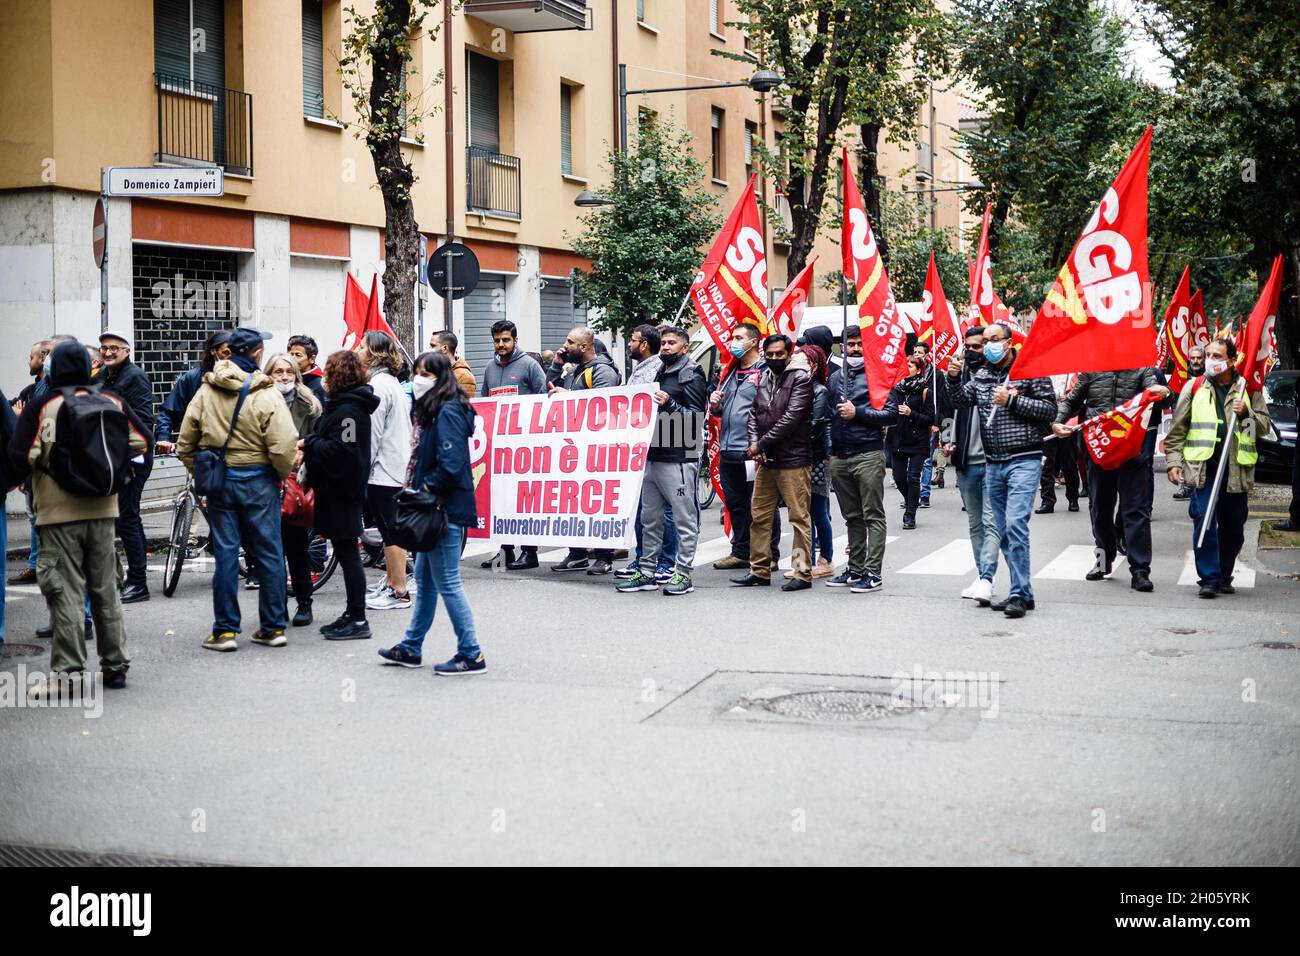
[837, 705]
[20, 854]
[21, 650]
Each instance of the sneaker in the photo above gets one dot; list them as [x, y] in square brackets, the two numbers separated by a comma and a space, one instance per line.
[25, 576]
[571, 564]
[823, 569]
[251, 583]
[868, 582]
[1015, 607]
[378, 586]
[909, 523]
[461, 665]
[115, 680]
[399, 655]
[637, 582]
[925, 502]
[271, 638]
[388, 600]
[225, 641]
[349, 630]
[730, 563]
[845, 579]
[679, 583]
[664, 575]
[983, 595]
[969, 593]
[630, 571]
[600, 566]
[302, 616]
[1003, 605]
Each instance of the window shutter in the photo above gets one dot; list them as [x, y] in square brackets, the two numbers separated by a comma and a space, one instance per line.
[484, 122]
[640, 9]
[210, 60]
[566, 130]
[171, 39]
[313, 60]
[713, 17]
[750, 133]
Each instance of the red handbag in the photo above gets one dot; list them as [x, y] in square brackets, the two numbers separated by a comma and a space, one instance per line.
[298, 504]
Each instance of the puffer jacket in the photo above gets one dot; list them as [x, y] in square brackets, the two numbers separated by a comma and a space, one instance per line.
[737, 398]
[1017, 429]
[264, 434]
[1098, 392]
[780, 420]
[1240, 478]
[679, 424]
[821, 422]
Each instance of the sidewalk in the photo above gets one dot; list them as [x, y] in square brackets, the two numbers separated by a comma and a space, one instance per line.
[157, 517]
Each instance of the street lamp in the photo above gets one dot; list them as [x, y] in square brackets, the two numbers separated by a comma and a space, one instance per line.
[763, 81]
[588, 199]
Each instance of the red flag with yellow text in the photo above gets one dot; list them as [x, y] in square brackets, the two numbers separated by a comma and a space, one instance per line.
[1177, 331]
[1116, 436]
[731, 285]
[939, 327]
[1258, 339]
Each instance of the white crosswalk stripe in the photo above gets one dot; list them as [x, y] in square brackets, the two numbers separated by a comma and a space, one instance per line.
[954, 558]
[1242, 576]
[1076, 561]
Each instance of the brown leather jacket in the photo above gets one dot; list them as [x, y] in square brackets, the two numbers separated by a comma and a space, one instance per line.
[780, 420]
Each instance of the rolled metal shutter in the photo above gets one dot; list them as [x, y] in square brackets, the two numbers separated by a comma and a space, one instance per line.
[480, 312]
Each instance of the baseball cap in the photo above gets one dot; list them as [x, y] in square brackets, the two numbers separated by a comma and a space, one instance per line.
[245, 339]
[112, 334]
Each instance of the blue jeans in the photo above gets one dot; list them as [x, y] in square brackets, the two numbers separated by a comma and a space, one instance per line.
[249, 501]
[438, 572]
[35, 551]
[672, 544]
[822, 534]
[979, 520]
[927, 469]
[1011, 486]
[1217, 558]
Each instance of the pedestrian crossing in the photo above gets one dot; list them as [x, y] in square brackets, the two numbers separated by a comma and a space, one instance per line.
[1076, 561]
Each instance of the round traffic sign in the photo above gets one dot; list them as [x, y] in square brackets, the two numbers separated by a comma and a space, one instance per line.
[98, 234]
[453, 270]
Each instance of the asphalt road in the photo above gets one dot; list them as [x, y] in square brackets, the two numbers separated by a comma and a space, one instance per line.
[1106, 727]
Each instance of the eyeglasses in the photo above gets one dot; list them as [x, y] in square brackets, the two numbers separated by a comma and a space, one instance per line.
[113, 349]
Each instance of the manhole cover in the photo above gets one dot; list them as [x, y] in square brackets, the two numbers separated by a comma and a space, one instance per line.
[1181, 630]
[1278, 646]
[1167, 652]
[21, 650]
[837, 705]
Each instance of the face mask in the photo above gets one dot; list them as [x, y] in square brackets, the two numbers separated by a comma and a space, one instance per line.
[777, 366]
[737, 350]
[974, 357]
[287, 388]
[1215, 367]
[994, 352]
[45, 366]
[420, 385]
[854, 361]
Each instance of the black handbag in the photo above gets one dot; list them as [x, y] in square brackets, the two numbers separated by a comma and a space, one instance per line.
[210, 463]
[419, 520]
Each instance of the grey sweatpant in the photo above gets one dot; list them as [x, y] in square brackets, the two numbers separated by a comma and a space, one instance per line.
[675, 485]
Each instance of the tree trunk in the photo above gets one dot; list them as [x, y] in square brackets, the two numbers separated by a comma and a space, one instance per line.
[869, 184]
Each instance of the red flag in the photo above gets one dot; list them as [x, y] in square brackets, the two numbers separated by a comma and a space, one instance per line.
[883, 337]
[714, 433]
[939, 326]
[374, 321]
[1200, 332]
[1115, 436]
[1177, 331]
[970, 278]
[1259, 334]
[982, 295]
[731, 286]
[788, 312]
[355, 306]
[1097, 318]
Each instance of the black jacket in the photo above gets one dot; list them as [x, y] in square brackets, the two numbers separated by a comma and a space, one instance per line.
[822, 413]
[442, 462]
[1097, 392]
[600, 372]
[780, 420]
[911, 435]
[314, 379]
[128, 382]
[337, 455]
[865, 431]
[9, 476]
[1017, 429]
[679, 425]
[172, 412]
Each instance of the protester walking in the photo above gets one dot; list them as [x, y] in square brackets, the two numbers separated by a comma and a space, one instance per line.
[858, 467]
[1195, 369]
[37, 362]
[823, 542]
[75, 484]
[390, 452]
[337, 456]
[780, 442]
[239, 413]
[442, 468]
[909, 440]
[1194, 450]
[305, 410]
[1013, 420]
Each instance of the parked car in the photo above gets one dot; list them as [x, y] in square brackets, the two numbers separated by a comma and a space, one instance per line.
[1277, 448]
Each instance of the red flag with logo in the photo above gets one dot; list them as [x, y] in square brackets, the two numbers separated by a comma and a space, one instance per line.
[1097, 317]
[939, 326]
[788, 312]
[375, 322]
[731, 285]
[883, 336]
[355, 306]
[982, 294]
[1177, 331]
[1258, 338]
[1116, 436]
[1200, 333]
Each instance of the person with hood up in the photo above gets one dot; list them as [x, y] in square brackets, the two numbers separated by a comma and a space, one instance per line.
[77, 557]
[260, 442]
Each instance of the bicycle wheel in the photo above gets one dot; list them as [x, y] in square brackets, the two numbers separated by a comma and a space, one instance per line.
[707, 491]
[182, 520]
[323, 560]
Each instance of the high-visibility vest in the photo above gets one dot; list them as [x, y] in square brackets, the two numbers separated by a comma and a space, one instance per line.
[1203, 432]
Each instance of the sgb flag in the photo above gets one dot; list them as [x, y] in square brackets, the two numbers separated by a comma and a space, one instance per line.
[939, 326]
[1097, 318]
[788, 313]
[1115, 436]
[731, 286]
[1258, 340]
[1177, 337]
[883, 335]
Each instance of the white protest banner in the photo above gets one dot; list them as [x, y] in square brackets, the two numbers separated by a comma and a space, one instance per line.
[561, 471]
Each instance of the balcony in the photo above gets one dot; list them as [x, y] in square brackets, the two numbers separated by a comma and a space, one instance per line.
[530, 16]
[492, 183]
[204, 125]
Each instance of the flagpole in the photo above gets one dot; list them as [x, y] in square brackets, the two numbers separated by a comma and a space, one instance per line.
[844, 341]
[1223, 466]
[681, 308]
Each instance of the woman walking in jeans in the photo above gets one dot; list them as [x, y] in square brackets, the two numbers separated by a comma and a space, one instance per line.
[338, 466]
[446, 423]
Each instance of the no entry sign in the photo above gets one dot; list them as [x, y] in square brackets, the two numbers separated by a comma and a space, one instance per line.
[98, 234]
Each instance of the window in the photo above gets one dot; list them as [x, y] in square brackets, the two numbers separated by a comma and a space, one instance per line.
[189, 42]
[751, 137]
[715, 24]
[640, 11]
[484, 102]
[716, 143]
[566, 130]
[313, 60]
[744, 20]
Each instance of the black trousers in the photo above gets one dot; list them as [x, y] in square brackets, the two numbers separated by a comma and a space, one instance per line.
[131, 529]
[354, 579]
[907, 477]
[1059, 454]
[295, 555]
[738, 491]
[1127, 486]
[1295, 486]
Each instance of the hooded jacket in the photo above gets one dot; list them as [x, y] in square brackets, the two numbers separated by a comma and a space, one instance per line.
[600, 372]
[864, 432]
[737, 398]
[337, 455]
[780, 421]
[37, 430]
[390, 431]
[264, 434]
[679, 425]
[442, 462]
[1017, 429]
[911, 435]
[172, 412]
[520, 374]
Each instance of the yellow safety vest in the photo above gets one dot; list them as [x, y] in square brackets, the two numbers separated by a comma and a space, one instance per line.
[1203, 432]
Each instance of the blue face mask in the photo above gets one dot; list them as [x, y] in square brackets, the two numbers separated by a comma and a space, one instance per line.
[737, 349]
[994, 352]
[45, 366]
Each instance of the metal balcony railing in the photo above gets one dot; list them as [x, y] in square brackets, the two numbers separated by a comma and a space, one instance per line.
[492, 183]
[203, 124]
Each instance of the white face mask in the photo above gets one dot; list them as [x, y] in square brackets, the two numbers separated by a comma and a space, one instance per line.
[421, 384]
[286, 388]
[1215, 367]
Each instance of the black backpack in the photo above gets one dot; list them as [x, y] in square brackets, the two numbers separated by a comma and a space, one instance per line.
[91, 444]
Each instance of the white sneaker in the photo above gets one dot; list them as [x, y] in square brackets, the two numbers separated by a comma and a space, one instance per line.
[387, 600]
[971, 588]
[376, 587]
[410, 585]
[983, 595]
